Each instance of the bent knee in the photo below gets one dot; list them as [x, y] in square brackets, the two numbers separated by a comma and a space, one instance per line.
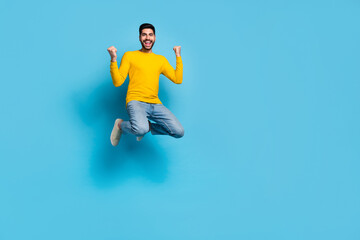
[178, 133]
[140, 130]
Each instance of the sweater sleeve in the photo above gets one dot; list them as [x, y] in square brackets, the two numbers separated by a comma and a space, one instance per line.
[119, 75]
[175, 75]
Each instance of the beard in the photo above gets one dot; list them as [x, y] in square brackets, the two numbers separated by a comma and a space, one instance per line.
[149, 47]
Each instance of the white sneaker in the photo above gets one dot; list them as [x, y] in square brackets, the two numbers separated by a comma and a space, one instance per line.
[116, 132]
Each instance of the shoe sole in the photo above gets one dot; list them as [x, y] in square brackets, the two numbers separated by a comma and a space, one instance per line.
[114, 132]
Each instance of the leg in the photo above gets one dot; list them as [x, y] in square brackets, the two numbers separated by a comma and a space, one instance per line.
[165, 122]
[138, 124]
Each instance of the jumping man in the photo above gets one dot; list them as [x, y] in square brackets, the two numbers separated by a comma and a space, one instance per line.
[142, 102]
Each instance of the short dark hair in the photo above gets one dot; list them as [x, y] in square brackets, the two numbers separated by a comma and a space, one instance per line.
[146, 25]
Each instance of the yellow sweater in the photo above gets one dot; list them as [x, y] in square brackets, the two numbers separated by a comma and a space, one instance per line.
[144, 70]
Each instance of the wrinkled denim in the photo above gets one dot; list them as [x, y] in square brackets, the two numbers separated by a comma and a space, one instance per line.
[164, 122]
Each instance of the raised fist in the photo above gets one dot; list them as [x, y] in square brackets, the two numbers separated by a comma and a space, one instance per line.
[177, 50]
[112, 51]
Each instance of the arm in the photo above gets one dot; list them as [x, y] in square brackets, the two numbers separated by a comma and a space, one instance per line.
[175, 75]
[119, 75]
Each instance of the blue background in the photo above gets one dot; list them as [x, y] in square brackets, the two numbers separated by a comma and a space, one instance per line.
[269, 103]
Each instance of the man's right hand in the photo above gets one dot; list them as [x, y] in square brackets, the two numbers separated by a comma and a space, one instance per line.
[112, 51]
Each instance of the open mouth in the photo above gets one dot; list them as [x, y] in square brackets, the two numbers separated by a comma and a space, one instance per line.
[147, 43]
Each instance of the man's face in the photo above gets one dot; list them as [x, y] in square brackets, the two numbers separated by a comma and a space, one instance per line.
[147, 38]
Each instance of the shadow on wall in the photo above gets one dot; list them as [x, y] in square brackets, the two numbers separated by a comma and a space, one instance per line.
[98, 107]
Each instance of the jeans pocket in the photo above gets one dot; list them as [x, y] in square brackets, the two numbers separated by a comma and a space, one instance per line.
[131, 104]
